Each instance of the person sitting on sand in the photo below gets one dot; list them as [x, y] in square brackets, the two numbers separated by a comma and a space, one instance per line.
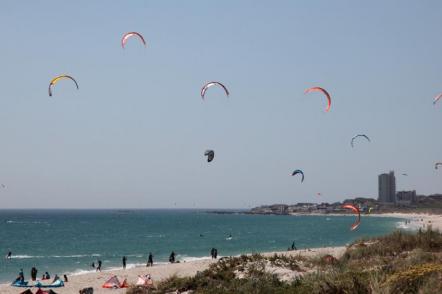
[172, 257]
[56, 278]
[46, 276]
[21, 277]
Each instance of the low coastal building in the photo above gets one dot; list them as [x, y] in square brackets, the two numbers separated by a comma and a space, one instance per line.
[405, 198]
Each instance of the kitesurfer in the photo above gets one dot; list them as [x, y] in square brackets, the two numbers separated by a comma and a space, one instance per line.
[9, 255]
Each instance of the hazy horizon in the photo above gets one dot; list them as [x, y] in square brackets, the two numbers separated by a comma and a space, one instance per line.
[135, 132]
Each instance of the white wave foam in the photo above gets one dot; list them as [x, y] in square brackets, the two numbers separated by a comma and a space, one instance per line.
[185, 258]
[25, 222]
[409, 226]
[25, 256]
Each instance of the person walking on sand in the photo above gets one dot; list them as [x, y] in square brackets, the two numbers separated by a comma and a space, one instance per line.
[124, 262]
[293, 246]
[150, 260]
[99, 266]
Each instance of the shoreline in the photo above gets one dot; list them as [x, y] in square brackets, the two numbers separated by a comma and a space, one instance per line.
[158, 272]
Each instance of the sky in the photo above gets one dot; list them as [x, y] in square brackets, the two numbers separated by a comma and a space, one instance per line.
[134, 134]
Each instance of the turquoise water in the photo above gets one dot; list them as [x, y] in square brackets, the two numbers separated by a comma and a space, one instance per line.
[68, 241]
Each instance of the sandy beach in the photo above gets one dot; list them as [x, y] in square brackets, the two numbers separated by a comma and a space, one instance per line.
[417, 220]
[162, 271]
[157, 272]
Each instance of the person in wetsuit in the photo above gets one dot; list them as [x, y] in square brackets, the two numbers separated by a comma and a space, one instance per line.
[150, 260]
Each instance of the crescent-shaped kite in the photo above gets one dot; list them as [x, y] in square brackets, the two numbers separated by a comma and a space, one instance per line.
[362, 135]
[298, 171]
[319, 89]
[211, 84]
[126, 37]
[437, 98]
[57, 79]
[356, 211]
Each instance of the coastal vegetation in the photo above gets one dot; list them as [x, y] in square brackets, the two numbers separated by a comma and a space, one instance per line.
[400, 262]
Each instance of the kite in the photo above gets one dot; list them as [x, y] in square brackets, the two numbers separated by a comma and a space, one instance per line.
[58, 78]
[436, 166]
[356, 211]
[210, 155]
[364, 136]
[437, 98]
[319, 89]
[211, 84]
[129, 35]
[298, 171]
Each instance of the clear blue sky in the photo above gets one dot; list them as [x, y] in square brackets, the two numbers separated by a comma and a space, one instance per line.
[135, 133]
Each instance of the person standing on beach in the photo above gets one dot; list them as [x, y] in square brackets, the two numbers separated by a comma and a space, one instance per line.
[215, 253]
[33, 273]
[99, 266]
[150, 260]
[124, 262]
[212, 252]
[172, 257]
[93, 264]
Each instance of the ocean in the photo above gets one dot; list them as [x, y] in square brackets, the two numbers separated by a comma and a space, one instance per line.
[68, 241]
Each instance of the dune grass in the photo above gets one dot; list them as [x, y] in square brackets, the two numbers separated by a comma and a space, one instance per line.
[396, 263]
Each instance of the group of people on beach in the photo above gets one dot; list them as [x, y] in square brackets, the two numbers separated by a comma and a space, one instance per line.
[21, 276]
[98, 267]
